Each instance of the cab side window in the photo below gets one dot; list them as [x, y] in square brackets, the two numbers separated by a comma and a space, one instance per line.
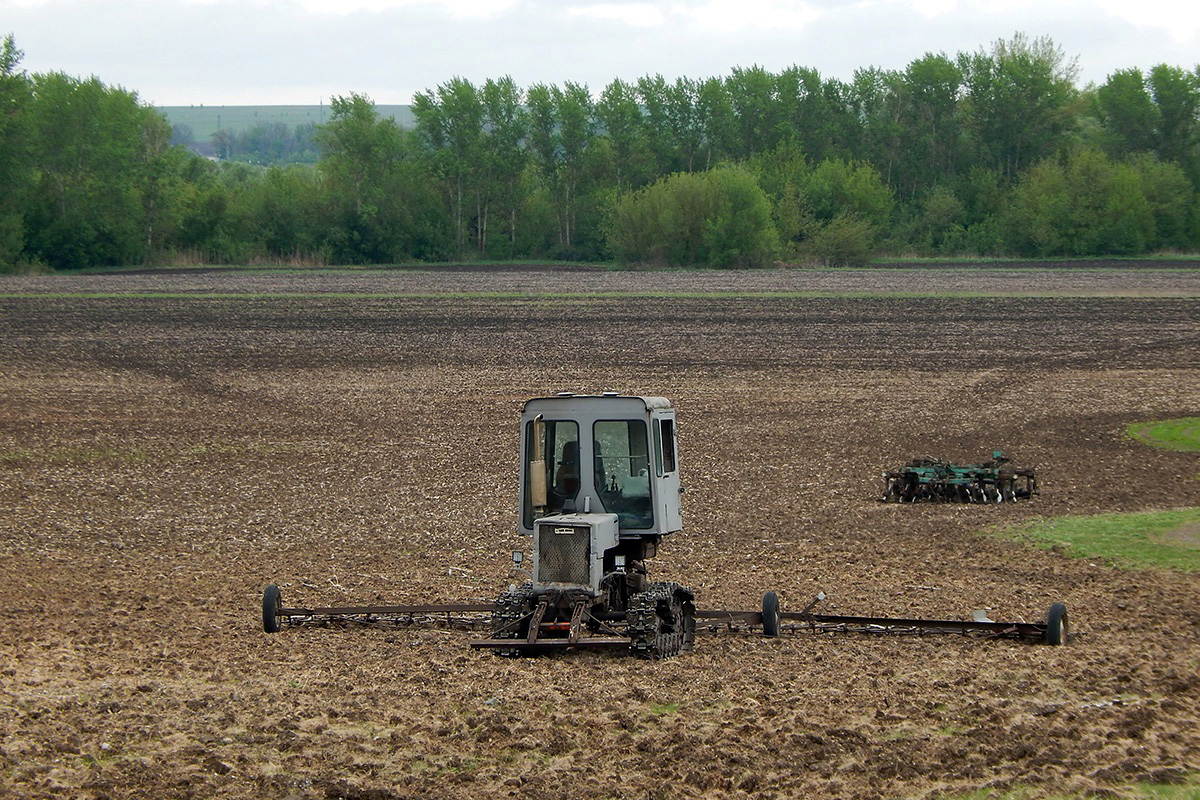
[560, 451]
[664, 446]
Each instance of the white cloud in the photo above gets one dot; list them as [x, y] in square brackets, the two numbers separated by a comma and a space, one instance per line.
[1181, 21]
[733, 15]
[934, 8]
[460, 9]
[637, 15]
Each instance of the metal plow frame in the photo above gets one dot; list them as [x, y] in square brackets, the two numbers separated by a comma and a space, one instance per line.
[534, 641]
[740, 621]
[275, 614]
[772, 622]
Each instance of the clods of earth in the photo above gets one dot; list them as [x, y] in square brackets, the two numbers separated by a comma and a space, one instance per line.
[170, 443]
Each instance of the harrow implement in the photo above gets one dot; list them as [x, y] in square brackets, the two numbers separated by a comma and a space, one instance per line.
[774, 622]
[934, 480]
[275, 615]
[650, 634]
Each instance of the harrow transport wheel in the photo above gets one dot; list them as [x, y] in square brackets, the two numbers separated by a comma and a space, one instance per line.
[770, 614]
[271, 601]
[1057, 625]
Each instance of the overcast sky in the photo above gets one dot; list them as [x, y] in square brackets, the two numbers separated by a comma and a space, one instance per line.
[232, 52]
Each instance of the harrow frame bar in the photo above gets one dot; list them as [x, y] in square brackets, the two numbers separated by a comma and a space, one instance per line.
[707, 621]
[737, 621]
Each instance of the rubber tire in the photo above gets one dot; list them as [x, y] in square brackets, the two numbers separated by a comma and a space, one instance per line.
[1057, 625]
[770, 615]
[271, 602]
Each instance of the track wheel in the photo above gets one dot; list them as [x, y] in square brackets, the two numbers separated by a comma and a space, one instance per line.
[271, 602]
[1057, 626]
[770, 614]
[661, 621]
[510, 619]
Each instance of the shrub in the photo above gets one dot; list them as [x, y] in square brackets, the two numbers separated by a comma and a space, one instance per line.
[845, 241]
[719, 218]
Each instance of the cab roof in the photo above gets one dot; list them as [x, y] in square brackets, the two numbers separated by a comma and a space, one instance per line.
[651, 402]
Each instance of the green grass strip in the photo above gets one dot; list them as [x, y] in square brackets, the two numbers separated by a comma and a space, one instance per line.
[1188, 789]
[1169, 434]
[1156, 539]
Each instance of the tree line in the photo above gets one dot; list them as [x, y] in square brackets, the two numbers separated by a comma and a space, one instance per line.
[996, 152]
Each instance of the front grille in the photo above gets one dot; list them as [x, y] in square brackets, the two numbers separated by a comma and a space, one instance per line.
[564, 557]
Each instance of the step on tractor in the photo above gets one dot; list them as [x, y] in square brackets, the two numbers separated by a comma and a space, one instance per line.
[934, 480]
[600, 490]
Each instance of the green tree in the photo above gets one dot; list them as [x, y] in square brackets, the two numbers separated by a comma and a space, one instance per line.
[931, 140]
[159, 172]
[16, 166]
[1177, 96]
[560, 132]
[204, 231]
[809, 111]
[1088, 206]
[753, 95]
[717, 121]
[877, 98]
[845, 241]
[1128, 113]
[942, 221]
[1018, 99]
[98, 154]
[854, 188]
[505, 158]
[784, 174]
[451, 122]
[381, 210]
[684, 121]
[620, 119]
[740, 232]
[1172, 201]
[652, 94]
[284, 208]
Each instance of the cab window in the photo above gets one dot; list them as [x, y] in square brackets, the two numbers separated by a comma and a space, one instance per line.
[621, 452]
[560, 451]
[664, 435]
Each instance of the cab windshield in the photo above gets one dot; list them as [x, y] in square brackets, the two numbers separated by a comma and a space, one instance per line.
[622, 471]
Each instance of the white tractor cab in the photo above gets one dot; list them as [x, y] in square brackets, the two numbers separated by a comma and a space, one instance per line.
[599, 489]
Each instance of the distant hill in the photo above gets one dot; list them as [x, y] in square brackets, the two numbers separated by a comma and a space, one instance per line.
[207, 120]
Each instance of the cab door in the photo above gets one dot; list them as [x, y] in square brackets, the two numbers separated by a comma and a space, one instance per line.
[666, 472]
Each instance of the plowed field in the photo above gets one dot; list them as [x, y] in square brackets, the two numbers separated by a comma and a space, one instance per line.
[170, 443]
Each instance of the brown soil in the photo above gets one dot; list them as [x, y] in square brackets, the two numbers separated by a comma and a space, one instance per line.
[1184, 536]
[161, 460]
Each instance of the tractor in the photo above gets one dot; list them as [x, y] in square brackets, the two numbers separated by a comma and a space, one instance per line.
[599, 491]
